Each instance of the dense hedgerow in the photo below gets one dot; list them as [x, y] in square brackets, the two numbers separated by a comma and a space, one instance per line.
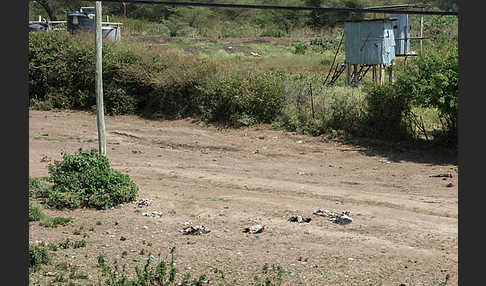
[137, 80]
[85, 179]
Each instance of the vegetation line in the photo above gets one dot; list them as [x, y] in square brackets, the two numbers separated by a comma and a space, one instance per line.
[320, 9]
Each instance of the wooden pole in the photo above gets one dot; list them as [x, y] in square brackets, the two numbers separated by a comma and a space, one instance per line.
[406, 39]
[421, 30]
[312, 99]
[348, 73]
[382, 74]
[100, 118]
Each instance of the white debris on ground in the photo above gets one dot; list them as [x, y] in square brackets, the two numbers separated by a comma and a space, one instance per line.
[144, 202]
[254, 228]
[342, 218]
[195, 230]
[155, 214]
[299, 219]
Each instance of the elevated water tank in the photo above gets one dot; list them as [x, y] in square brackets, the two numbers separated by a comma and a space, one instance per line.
[77, 21]
[400, 29]
[369, 42]
[111, 33]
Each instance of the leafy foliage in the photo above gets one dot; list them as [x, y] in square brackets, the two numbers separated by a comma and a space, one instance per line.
[85, 179]
[38, 255]
[432, 81]
[243, 99]
[35, 212]
[167, 85]
[385, 112]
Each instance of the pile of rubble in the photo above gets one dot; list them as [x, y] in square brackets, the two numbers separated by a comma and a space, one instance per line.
[342, 218]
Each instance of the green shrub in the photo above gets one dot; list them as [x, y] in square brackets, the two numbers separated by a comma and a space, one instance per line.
[431, 80]
[38, 255]
[299, 47]
[62, 75]
[35, 212]
[328, 110]
[37, 188]
[85, 179]
[243, 99]
[385, 113]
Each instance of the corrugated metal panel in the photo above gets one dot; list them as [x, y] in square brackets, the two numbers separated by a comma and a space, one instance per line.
[369, 42]
[399, 27]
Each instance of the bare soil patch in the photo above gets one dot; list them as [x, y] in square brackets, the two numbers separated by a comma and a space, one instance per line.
[404, 220]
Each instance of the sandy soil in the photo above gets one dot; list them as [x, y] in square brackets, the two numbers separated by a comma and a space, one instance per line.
[405, 222]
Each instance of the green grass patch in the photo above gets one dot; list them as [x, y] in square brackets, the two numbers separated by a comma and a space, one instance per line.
[38, 255]
[53, 222]
[36, 212]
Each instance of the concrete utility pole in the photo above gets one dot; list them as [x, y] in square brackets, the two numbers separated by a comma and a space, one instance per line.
[100, 116]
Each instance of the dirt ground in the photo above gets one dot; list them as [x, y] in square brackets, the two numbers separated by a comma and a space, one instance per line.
[405, 221]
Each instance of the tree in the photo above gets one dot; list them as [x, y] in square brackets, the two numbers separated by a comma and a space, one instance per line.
[54, 7]
[319, 19]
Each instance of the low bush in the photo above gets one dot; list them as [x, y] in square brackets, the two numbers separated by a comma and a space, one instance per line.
[38, 255]
[328, 110]
[385, 113]
[243, 99]
[37, 188]
[35, 212]
[85, 179]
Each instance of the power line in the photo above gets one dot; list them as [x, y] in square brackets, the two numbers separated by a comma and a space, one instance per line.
[258, 6]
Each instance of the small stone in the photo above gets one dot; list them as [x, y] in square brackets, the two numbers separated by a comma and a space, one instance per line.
[450, 185]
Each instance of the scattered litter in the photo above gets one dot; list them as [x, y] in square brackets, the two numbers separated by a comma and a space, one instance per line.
[155, 214]
[145, 227]
[144, 202]
[137, 152]
[444, 175]
[341, 219]
[261, 137]
[255, 152]
[50, 274]
[299, 219]
[300, 142]
[46, 159]
[195, 230]
[255, 54]
[254, 228]
[350, 259]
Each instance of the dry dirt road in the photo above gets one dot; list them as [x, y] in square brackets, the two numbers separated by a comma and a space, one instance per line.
[405, 222]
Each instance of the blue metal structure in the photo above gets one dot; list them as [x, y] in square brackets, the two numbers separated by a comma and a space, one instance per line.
[369, 42]
[401, 33]
[77, 21]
